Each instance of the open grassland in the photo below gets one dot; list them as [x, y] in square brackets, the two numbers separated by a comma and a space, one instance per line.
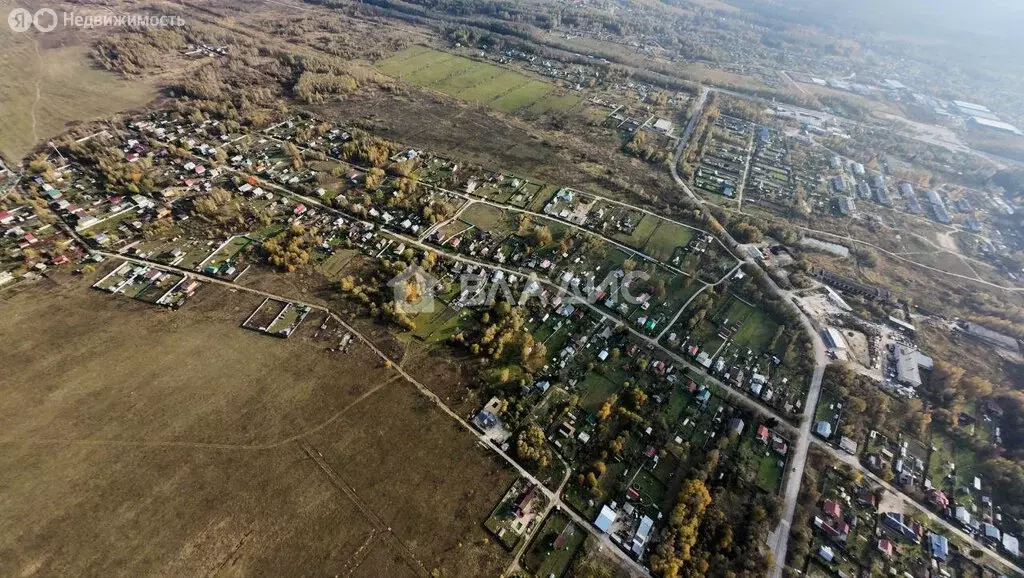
[666, 238]
[42, 89]
[140, 441]
[476, 81]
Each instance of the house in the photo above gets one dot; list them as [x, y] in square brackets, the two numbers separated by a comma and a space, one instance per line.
[962, 516]
[643, 534]
[736, 426]
[939, 546]
[866, 498]
[704, 359]
[525, 501]
[762, 433]
[779, 446]
[885, 547]
[992, 534]
[939, 499]
[839, 531]
[704, 395]
[833, 509]
[605, 519]
[826, 554]
[895, 522]
[823, 429]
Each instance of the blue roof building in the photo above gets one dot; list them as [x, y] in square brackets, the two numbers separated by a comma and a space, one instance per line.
[939, 547]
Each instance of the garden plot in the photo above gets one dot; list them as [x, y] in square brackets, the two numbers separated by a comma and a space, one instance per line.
[724, 158]
[276, 318]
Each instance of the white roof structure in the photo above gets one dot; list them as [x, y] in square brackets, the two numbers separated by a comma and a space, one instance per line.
[970, 106]
[907, 366]
[1011, 544]
[824, 429]
[643, 533]
[996, 124]
[834, 339]
[605, 519]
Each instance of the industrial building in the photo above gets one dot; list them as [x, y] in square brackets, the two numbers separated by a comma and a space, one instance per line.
[834, 340]
[969, 108]
[909, 363]
[994, 125]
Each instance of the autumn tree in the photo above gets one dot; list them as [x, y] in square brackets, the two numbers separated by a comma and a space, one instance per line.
[681, 534]
[532, 448]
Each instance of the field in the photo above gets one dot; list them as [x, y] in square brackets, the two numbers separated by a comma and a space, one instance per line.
[665, 238]
[597, 388]
[757, 331]
[43, 88]
[182, 444]
[475, 81]
[487, 218]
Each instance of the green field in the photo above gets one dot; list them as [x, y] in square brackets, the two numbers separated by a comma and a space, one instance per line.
[436, 326]
[333, 266]
[596, 389]
[228, 251]
[476, 81]
[663, 242]
[769, 474]
[757, 331]
[488, 218]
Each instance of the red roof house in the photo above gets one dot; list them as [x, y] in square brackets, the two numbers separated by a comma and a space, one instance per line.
[833, 509]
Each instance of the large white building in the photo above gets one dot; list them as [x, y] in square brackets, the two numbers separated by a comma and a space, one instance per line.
[909, 362]
[996, 125]
[834, 340]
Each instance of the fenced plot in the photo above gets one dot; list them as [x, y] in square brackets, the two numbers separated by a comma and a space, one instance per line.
[277, 318]
[227, 253]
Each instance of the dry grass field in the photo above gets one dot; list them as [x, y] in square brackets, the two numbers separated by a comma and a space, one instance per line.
[141, 441]
[47, 81]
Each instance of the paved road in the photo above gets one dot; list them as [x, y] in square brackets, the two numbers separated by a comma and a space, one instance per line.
[798, 456]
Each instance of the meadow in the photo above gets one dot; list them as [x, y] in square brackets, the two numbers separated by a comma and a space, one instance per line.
[475, 81]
